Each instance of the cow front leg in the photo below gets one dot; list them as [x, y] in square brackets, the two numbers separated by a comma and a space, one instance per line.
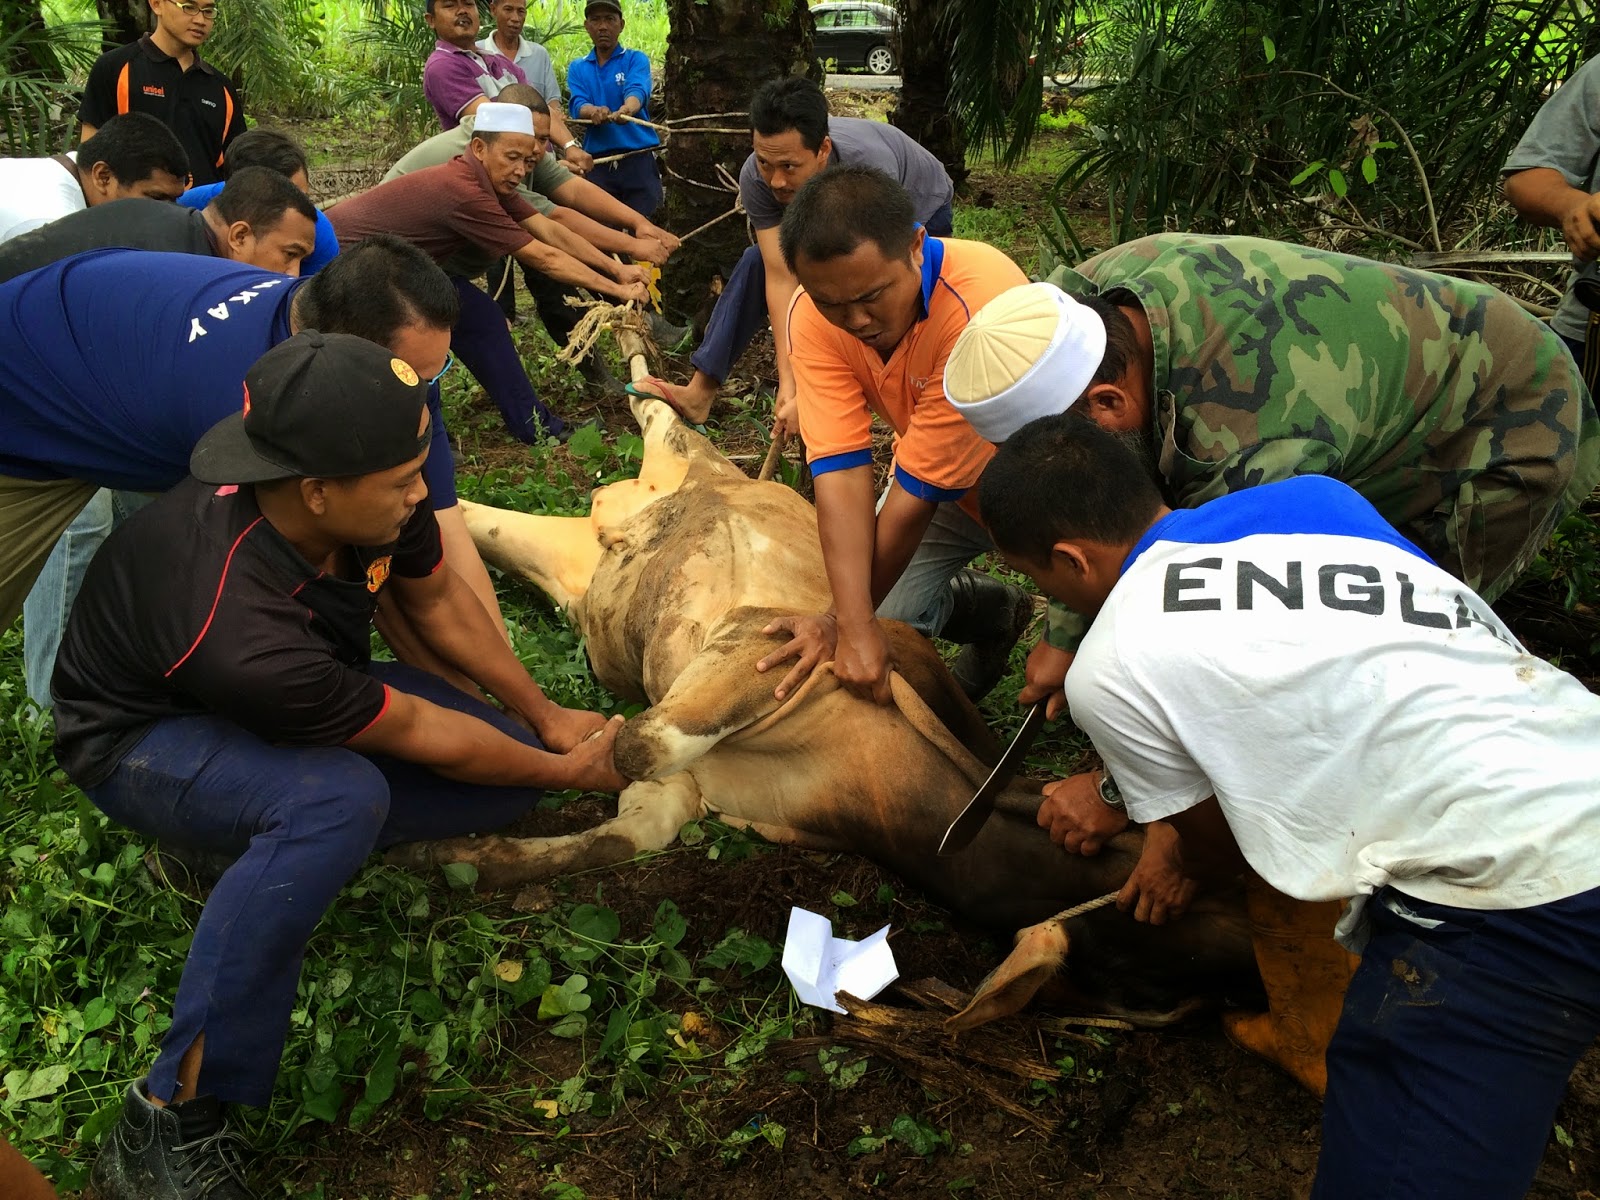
[649, 816]
[716, 695]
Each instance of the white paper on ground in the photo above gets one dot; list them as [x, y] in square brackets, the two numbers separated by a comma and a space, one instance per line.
[820, 965]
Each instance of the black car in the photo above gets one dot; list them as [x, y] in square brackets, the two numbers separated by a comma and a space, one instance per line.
[855, 35]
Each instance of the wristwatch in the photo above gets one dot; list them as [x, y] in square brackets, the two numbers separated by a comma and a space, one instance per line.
[1110, 793]
[569, 144]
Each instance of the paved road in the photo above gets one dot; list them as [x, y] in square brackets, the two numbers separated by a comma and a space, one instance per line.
[863, 82]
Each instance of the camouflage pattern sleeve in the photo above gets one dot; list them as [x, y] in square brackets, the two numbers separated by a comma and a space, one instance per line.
[1459, 416]
[1064, 628]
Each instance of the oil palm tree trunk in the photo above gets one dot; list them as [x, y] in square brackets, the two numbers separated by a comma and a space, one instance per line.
[924, 113]
[718, 53]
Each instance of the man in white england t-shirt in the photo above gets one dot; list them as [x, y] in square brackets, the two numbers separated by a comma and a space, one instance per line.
[1297, 689]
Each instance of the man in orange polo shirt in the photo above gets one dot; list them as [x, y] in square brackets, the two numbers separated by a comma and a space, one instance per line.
[880, 309]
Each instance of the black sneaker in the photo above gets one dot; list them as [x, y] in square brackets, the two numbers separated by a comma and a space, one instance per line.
[181, 1152]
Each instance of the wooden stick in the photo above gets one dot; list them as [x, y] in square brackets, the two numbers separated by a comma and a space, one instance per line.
[735, 210]
[706, 117]
[769, 467]
[611, 158]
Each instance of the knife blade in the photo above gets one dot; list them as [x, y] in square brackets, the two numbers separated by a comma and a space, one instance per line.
[971, 819]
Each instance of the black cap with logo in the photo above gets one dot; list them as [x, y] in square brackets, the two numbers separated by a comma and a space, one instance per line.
[320, 405]
[606, 5]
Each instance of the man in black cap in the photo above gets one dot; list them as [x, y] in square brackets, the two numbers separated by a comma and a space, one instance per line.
[214, 689]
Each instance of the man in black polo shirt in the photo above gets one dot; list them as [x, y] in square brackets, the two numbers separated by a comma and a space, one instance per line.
[215, 690]
[163, 74]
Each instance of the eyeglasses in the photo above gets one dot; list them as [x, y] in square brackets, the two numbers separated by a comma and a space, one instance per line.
[188, 9]
[449, 361]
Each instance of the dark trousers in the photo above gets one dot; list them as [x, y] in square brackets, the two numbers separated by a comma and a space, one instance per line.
[741, 309]
[636, 181]
[482, 342]
[549, 298]
[302, 822]
[1458, 1035]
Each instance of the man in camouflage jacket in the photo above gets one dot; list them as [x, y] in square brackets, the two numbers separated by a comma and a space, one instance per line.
[1461, 418]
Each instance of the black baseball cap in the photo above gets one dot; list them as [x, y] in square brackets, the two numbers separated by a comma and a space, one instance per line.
[324, 405]
[612, 5]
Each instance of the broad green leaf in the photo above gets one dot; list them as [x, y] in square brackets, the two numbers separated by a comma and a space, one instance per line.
[595, 923]
[460, 876]
[915, 1136]
[669, 925]
[98, 1013]
[1268, 48]
[1337, 182]
[1369, 169]
[34, 1085]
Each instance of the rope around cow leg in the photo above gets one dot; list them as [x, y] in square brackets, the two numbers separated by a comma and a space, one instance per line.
[1077, 910]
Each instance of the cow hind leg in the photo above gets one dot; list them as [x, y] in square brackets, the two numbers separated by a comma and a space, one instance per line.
[649, 816]
[557, 555]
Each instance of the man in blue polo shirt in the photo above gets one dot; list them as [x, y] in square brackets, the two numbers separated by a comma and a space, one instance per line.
[606, 85]
[1303, 695]
[119, 360]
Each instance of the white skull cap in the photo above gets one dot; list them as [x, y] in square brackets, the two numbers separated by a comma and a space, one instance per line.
[503, 118]
[1028, 353]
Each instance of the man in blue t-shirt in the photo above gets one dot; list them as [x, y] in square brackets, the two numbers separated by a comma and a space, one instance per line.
[279, 152]
[607, 85]
[117, 361]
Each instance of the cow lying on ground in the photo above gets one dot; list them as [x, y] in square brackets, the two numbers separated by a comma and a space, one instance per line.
[671, 579]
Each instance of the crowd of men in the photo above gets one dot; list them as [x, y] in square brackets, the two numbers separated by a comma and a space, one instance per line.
[1269, 490]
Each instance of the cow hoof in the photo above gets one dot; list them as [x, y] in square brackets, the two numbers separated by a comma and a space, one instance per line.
[1039, 953]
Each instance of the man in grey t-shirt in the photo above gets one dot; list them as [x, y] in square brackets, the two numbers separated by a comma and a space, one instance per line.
[1553, 178]
[794, 138]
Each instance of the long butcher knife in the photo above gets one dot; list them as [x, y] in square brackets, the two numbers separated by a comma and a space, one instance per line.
[965, 827]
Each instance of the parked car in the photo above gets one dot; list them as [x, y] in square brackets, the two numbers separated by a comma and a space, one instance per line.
[851, 34]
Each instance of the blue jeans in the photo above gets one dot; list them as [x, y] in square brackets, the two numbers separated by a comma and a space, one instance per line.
[484, 346]
[302, 821]
[921, 597]
[44, 614]
[741, 308]
[1458, 1035]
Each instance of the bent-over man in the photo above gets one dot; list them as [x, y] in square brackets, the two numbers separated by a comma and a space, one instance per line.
[882, 306]
[470, 205]
[793, 137]
[1300, 691]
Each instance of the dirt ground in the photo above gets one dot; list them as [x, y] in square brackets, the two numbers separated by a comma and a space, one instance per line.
[1179, 1113]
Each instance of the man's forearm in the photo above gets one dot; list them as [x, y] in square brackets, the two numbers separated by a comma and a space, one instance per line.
[453, 623]
[780, 290]
[594, 201]
[1542, 195]
[901, 523]
[592, 233]
[553, 233]
[560, 265]
[846, 523]
[559, 133]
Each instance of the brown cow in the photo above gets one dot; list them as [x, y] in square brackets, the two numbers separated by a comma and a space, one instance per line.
[671, 579]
